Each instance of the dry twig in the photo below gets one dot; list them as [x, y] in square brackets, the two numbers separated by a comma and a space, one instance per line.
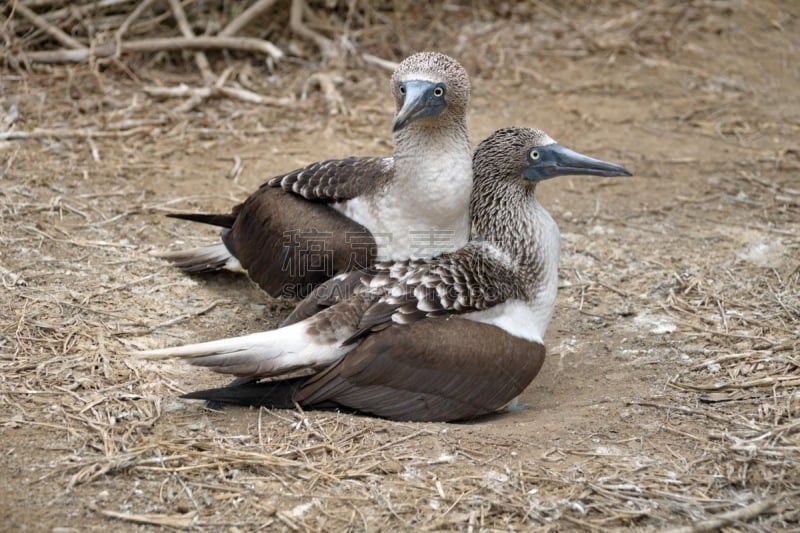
[52, 30]
[325, 45]
[744, 514]
[199, 57]
[205, 92]
[246, 17]
[242, 44]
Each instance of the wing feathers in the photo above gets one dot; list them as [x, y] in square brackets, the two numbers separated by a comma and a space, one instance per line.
[257, 355]
[470, 279]
[336, 180]
[432, 370]
[435, 369]
[289, 245]
[286, 243]
[333, 291]
[204, 259]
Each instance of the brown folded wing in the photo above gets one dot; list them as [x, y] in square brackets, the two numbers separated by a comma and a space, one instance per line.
[289, 245]
[437, 369]
[336, 180]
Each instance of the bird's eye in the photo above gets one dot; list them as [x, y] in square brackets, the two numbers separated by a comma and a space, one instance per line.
[402, 89]
[534, 154]
[438, 92]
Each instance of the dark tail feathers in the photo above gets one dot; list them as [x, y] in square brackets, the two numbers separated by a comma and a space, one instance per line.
[224, 221]
[270, 394]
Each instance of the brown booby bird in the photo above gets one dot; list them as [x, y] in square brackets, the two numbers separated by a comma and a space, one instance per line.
[441, 339]
[299, 229]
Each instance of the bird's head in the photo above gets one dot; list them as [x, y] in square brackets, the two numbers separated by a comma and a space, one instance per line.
[429, 87]
[527, 156]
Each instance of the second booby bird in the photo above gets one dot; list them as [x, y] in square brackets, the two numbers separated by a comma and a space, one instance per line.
[447, 338]
[299, 229]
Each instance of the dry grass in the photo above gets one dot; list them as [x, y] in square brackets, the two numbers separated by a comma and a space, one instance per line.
[692, 278]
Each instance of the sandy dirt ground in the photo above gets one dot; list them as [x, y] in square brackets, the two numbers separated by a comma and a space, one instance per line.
[671, 391]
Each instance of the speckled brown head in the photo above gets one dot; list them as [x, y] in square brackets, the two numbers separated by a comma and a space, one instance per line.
[527, 156]
[509, 163]
[430, 88]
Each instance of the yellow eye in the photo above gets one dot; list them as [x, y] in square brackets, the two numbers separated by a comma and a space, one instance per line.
[534, 154]
[438, 92]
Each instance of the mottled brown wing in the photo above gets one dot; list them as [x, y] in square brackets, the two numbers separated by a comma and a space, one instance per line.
[289, 245]
[336, 180]
[333, 291]
[437, 369]
[473, 278]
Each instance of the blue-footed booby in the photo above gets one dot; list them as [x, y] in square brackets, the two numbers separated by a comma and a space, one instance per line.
[301, 228]
[446, 338]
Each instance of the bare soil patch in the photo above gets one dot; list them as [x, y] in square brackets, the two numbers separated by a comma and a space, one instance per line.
[671, 393]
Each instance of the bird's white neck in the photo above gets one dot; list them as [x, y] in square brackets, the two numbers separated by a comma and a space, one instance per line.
[424, 210]
[528, 237]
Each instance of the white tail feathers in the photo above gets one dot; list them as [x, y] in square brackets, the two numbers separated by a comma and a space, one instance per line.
[204, 259]
[257, 355]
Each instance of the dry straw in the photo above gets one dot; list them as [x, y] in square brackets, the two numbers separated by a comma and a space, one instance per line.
[101, 128]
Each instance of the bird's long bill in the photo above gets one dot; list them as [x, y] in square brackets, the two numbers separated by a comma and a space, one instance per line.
[557, 160]
[415, 104]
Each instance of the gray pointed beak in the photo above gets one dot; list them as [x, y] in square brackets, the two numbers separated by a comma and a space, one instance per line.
[556, 160]
[418, 103]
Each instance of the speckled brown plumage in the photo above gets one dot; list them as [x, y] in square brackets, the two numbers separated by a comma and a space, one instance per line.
[336, 205]
[446, 338]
